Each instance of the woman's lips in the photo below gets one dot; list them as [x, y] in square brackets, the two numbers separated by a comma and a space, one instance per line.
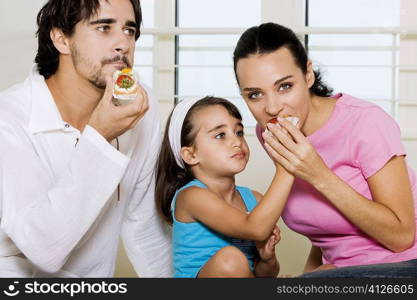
[291, 119]
[273, 121]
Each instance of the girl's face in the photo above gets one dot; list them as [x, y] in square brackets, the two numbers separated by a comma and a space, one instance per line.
[272, 85]
[219, 148]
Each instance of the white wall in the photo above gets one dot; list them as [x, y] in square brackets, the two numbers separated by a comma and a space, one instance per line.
[18, 43]
[408, 82]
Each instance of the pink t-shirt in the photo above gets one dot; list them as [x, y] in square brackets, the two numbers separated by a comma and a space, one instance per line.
[356, 142]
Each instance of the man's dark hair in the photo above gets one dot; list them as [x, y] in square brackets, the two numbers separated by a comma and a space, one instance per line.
[64, 15]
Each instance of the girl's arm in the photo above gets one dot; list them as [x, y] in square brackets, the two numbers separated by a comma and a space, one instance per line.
[206, 207]
[389, 219]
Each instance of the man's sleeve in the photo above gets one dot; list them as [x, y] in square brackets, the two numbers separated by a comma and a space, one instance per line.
[146, 237]
[46, 215]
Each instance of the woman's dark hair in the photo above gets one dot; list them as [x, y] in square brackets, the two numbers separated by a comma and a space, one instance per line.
[65, 14]
[169, 176]
[269, 37]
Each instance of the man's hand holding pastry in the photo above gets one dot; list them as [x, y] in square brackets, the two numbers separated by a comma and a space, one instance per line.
[112, 121]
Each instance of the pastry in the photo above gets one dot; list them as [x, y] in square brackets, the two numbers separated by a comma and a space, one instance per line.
[125, 85]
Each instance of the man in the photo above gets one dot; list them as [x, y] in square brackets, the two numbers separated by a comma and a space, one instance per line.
[76, 170]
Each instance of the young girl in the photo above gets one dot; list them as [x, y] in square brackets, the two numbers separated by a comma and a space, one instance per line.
[219, 229]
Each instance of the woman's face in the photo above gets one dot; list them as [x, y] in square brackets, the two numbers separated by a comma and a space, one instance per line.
[272, 85]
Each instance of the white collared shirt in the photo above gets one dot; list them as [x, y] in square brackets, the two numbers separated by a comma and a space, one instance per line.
[59, 207]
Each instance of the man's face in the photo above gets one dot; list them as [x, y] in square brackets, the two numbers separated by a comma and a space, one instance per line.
[104, 43]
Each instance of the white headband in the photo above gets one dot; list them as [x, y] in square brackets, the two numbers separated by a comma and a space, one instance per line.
[175, 127]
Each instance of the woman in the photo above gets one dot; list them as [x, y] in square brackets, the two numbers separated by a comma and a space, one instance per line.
[354, 196]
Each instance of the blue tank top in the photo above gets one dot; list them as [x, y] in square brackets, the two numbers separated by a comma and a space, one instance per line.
[194, 243]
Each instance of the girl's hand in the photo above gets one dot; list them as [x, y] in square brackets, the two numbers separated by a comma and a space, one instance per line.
[266, 248]
[291, 149]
